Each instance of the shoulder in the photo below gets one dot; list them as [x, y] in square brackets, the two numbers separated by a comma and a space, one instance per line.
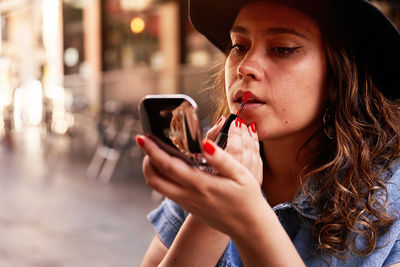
[390, 242]
[392, 181]
[387, 250]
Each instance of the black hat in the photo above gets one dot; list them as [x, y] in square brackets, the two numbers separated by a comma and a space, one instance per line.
[371, 36]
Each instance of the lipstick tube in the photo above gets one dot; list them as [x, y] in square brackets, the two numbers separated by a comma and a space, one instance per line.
[222, 137]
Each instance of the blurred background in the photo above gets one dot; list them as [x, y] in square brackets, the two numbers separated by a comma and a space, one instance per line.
[71, 75]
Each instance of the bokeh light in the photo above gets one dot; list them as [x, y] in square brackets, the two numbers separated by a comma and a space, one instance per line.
[137, 25]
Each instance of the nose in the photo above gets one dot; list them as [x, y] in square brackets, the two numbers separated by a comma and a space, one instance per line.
[250, 67]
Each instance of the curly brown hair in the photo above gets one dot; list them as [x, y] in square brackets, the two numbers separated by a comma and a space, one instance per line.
[351, 196]
[345, 181]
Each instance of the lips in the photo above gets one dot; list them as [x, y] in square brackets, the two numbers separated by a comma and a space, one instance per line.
[254, 101]
[252, 98]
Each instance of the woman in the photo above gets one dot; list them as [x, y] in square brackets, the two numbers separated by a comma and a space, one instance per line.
[319, 135]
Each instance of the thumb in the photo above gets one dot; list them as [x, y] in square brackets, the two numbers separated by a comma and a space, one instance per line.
[214, 131]
[222, 162]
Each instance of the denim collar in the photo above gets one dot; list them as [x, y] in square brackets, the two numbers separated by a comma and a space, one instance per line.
[300, 203]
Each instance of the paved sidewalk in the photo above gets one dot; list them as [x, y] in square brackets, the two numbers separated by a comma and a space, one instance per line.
[52, 215]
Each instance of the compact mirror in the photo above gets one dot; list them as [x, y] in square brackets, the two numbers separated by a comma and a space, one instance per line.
[171, 121]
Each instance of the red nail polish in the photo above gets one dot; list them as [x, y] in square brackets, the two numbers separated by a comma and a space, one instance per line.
[238, 122]
[241, 122]
[253, 127]
[220, 119]
[208, 148]
[140, 141]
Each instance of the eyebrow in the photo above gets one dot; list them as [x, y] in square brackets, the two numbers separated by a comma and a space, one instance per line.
[270, 31]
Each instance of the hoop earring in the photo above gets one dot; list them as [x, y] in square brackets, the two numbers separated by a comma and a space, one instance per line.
[328, 126]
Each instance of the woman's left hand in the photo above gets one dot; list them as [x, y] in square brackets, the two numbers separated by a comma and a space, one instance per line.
[226, 201]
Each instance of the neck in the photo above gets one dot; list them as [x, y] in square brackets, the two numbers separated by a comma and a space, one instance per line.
[284, 160]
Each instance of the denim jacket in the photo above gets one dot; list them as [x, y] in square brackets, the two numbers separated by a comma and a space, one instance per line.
[296, 218]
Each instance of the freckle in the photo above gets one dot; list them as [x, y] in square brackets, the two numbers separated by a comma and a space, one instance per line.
[286, 122]
[284, 109]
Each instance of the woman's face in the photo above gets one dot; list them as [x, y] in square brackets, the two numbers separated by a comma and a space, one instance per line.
[278, 56]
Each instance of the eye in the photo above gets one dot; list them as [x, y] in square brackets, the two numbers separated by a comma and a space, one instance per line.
[285, 51]
[238, 48]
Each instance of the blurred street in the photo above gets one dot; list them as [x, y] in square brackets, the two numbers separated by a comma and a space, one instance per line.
[72, 75]
[52, 215]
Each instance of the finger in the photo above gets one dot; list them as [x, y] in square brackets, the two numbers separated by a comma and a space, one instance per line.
[250, 139]
[159, 182]
[254, 135]
[153, 176]
[222, 162]
[173, 168]
[243, 145]
[252, 160]
[253, 132]
[214, 131]
[234, 144]
[241, 139]
[247, 135]
[252, 153]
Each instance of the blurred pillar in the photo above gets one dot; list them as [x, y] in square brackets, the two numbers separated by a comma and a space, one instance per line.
[53, 44]
[92, 51]
[1, 33]
[22, 36]
[169, 46]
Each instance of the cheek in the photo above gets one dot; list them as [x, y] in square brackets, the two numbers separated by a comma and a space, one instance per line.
[308, 101]
[318, 94]
[308, 81]
[306, 94]
[230, 75]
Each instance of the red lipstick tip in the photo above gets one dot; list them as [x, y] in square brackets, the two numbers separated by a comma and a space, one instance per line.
[246, 97]
[244, 101]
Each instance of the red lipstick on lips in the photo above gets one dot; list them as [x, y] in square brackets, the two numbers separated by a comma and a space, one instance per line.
[244, 101]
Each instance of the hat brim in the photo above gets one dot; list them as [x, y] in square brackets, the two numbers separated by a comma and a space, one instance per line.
[374, 39]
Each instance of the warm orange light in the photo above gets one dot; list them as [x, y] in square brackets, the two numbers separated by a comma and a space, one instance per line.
[137, 25]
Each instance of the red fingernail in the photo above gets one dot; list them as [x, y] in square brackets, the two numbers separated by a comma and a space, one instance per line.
[208, 148]
[253, 127]
[238, 122]
[242, 122]
[220, 119]
[140, 141]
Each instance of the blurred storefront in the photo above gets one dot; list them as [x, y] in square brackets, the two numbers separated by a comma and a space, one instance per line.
[59, 58]
[120, 50]
[71, 75]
